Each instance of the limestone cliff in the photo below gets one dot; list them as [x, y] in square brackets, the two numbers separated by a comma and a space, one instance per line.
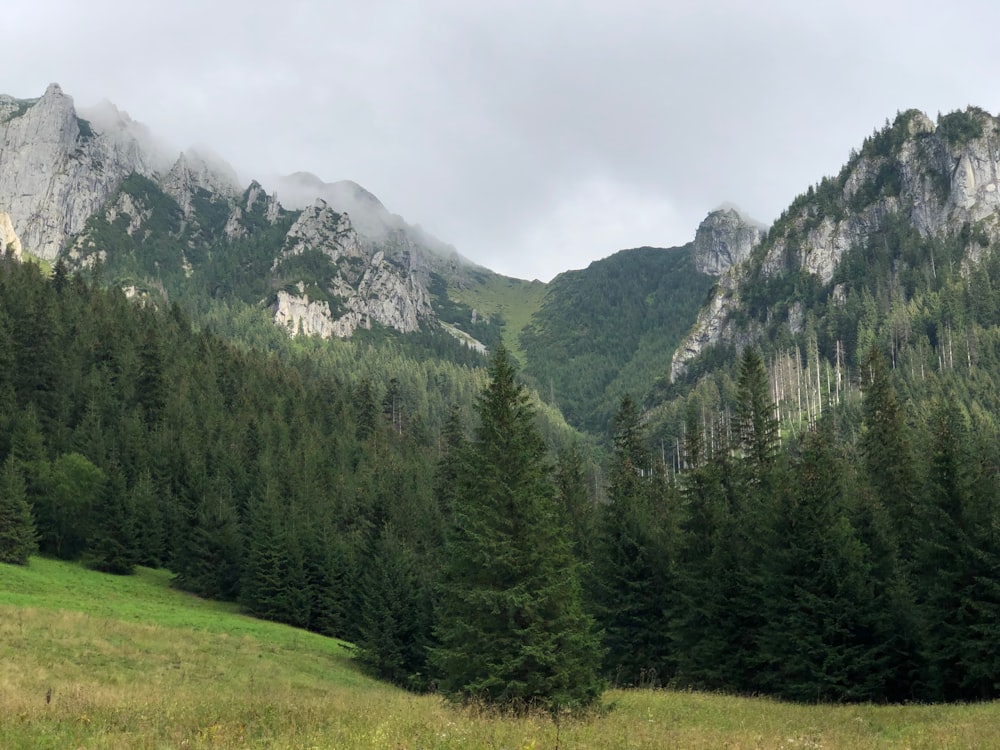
[95, 186]
[410, 246]
[57, 169]
[9, 241]
[723, 240]
[195, 173]
[368, 286]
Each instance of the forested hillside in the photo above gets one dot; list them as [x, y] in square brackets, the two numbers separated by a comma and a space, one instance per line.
[607, 330]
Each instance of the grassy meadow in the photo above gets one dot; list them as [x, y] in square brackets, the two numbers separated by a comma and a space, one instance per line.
[514, 299]
[95, 661]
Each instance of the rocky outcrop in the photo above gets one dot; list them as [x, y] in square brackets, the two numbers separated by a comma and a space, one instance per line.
[407, 245]
[319, 227]
[255, 202]
[370, 287]
[57, 169]
[724, 239]
[9, 241]
[298, 315]
[195, 172]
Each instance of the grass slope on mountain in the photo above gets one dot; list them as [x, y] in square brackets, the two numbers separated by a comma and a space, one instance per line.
[132, 663]
[610, 329]
[511, 301]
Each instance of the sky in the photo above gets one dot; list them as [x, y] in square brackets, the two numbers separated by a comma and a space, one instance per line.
[534, 136]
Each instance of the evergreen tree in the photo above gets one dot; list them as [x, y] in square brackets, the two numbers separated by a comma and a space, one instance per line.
[887, 451]
[818, 598]
[699, 634]
[18, 539]
[396, 614]
[111, 548]
[576, 503]
[632, 576]
[756, 424]
[510, 620]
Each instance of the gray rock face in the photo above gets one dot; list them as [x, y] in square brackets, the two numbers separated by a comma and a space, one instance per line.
[373, 289]
[193, 172]
[375, 225]
[57, 170]
[941, 185]
[724, 239]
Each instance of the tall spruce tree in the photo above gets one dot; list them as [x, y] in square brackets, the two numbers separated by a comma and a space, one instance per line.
[18, 540]
[512, 630]
[816, 642]
[887, 450]
[633, 586]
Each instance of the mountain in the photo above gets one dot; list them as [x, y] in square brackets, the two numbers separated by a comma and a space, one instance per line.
[937, 180]
[801, 502]
[101, 191]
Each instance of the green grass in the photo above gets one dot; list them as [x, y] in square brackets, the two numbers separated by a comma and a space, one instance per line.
[132, 663]
[514, 299]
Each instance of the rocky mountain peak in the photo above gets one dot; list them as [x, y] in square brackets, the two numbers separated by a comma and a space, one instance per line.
[196, 171]
[724, 239]
[56, 170]
[319, 227]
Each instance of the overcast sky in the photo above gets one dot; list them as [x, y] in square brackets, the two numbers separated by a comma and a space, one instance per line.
[534, 136]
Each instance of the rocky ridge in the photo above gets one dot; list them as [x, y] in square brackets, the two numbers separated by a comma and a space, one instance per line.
[373, 287]
[939, 177]
[58, 170]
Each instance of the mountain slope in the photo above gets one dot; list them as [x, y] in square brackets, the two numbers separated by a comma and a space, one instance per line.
[606, 330]
[939, 181]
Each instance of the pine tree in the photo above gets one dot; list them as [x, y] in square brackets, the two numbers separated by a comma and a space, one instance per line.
[887, 451]
[396, 617]
[111, 548]
[756, 423]
[633, 588]
[819, 605]
[510, 620]
[18, 540]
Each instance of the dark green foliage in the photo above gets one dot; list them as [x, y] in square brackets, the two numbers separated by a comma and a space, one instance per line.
[755, 424]
[112, 544]
[958, 128]
[886, 448]
[18, 539]
[86, 131]
[819, 640]
[608, 330]
[510, 620]
[315, 271]
[396, 613]
[633, 578]
[576, 502]
[68, 506]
